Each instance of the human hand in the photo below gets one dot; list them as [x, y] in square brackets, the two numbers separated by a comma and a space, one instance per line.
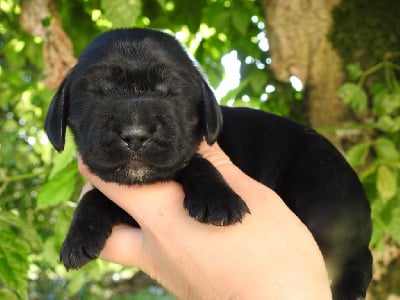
[270, 255]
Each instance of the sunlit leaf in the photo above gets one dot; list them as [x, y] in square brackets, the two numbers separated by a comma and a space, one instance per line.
[61, 160]
[386, 149]
[122, 13]
[386, 103]
[388, 124]
[357, 154]
[393, 228]
[59, 188]
[354, 71]
[76, 283]
[14, 261]
[394, 163]
[379, 230]
[6, 294]
[26, 231]
[386, 183]
[353, 95]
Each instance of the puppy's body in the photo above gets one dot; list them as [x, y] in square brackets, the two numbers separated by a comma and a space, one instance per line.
[315, 182]
[138, 108]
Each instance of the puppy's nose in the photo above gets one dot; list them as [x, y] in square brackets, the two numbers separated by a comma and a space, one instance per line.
[134, 136]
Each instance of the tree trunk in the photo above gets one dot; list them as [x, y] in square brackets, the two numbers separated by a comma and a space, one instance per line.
[298, 34]
[58, 54]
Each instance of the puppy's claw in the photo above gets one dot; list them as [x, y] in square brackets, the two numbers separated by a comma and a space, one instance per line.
[80, 247]
[220, 208]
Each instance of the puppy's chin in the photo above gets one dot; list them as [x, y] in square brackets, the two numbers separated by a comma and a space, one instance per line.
[137, 175]
[134, 172]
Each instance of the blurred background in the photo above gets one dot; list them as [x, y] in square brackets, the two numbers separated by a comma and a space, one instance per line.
[330, 64]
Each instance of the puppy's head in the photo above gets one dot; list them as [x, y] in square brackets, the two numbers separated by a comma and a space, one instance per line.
[137, 106]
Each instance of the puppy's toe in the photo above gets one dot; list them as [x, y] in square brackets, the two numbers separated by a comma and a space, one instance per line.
[227, 212]
[219, 206]
[81, 247]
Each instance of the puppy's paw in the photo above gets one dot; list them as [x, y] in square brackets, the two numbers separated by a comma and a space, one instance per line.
[216, 204]
[82, 245]
[208, 198]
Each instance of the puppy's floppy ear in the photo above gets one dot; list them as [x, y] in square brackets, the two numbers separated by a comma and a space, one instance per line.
[212, 115]
[56, 118]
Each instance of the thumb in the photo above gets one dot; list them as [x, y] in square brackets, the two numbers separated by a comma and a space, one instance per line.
[125, 247]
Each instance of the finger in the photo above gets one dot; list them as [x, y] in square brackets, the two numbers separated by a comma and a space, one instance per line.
[241, 183]
[214, 154]
[125, 247]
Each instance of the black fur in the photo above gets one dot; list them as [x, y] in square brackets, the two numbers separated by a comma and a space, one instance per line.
[138, 108]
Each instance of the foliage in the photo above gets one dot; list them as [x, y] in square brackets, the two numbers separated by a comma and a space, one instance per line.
[39, 188]
[377, 157]
[367, 36]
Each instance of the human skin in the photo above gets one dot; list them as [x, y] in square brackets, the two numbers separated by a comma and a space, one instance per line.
[269, 255]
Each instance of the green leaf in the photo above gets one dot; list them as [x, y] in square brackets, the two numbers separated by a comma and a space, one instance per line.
[61, 160]
[394, 163]
[377, 88]
[5, 294]
[240, 21]
[122, 13]
[386, 183]
[219, 19]
[162, 3]
[14, 264]
[26, 232]
[370, 169]
[357, 154]
[393, 228]
[378, 230]
[354, 71]
[76, 283]
[353, 95]
[386, 103]
[59, 188]
[258, 80]
[388, 124]
[386, 149]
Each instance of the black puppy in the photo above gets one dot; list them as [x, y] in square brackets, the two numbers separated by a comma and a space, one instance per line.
[139, 107]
